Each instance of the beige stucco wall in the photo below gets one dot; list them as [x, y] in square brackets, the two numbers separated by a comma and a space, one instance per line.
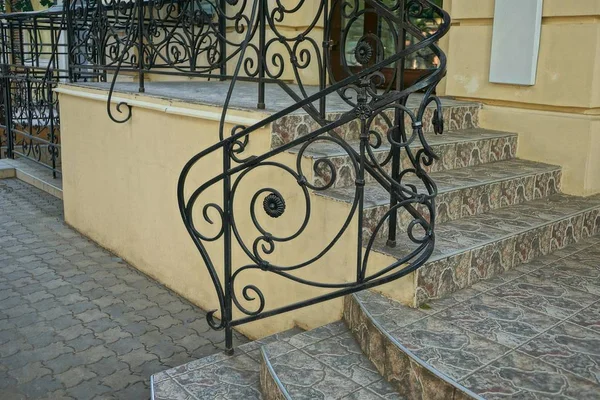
[120, 190]
[557, 118]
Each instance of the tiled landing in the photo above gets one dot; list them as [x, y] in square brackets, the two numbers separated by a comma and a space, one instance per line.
[325, 363]
[533, 333]
[33, 174]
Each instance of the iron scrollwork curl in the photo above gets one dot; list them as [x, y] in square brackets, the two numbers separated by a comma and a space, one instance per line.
[242, 40]
[379, 108]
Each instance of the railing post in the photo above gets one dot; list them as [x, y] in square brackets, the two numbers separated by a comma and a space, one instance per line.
[51, 148]
[140, 45]
[362, 109]
[399, 133]
[70, 39]
[262, 40]
[7, 112]
[223, 38]
[227, 312]
[323, 72]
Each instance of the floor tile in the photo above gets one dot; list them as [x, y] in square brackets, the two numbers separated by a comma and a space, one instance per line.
[518, 376]
[343, 354]
[497, 320]
[231, 379]
[448, 348]
[552, 298]
[306, 378]
[388, 313]
[589, 318]
[573, 274]
[570, 347]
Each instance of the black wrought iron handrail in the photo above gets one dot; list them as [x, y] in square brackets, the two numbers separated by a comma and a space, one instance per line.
[369, 103]
[244, 41]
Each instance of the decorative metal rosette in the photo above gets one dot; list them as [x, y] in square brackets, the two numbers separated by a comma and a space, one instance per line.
[363, 52]
[274, 205]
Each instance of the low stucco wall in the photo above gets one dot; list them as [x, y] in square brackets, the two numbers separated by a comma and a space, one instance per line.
[120, 190]
[558, 118]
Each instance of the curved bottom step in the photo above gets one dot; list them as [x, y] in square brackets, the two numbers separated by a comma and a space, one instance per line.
[410, 376]
[529, 333]
[325, 363]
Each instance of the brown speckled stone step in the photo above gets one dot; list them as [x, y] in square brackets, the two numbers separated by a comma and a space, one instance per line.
[476, 248]
[464, 192]
[325, 363]
[458, 115]
[372, 319]
[217, 376]
[457, 149]
[530, 333]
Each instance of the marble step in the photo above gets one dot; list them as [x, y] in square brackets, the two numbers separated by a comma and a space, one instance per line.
[476, 248]
[463, 192]
[325, 363]
[219, 375]
[529, 333]
[458, 115]
[457, 149]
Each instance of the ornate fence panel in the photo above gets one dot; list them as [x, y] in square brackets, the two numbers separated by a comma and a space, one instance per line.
[376, 96]
[33, 61]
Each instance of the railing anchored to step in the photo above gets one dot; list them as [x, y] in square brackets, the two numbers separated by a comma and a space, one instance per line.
[377, 99]
[246, 41]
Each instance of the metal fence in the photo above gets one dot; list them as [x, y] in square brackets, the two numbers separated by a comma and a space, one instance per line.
[33, 59]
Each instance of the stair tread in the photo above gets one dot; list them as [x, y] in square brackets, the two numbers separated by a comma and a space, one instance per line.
[321, 149]
[332, 353]
[329, 351]
[203, 377]
[479, 331]
[467, 233]
[450, 180]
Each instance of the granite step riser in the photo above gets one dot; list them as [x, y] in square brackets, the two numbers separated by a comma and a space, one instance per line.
[269, 387]
[451, 156]
[411, 378]
[291, 127]
[442, 277]
[469, 201]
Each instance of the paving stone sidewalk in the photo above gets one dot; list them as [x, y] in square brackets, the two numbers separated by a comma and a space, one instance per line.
[76, 322]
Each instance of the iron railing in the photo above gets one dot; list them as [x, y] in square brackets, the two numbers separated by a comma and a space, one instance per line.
[375, 98]
[243, 41]
[33, 59]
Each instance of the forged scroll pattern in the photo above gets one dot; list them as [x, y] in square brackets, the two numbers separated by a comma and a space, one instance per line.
[377, 105]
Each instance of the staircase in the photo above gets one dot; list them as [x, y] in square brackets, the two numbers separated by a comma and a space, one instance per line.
[501, 222]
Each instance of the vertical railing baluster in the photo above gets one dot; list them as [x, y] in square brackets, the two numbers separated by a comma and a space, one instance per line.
[262, 39]
[323, 77]
[21, 44]
[8, 111]
[29, 105]
[34, 45]
[228, 316]
[223, 37]
[51, 117]
[140, 44]
[11, 30]
[399, 133]
[362, 113]
[70, 41]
